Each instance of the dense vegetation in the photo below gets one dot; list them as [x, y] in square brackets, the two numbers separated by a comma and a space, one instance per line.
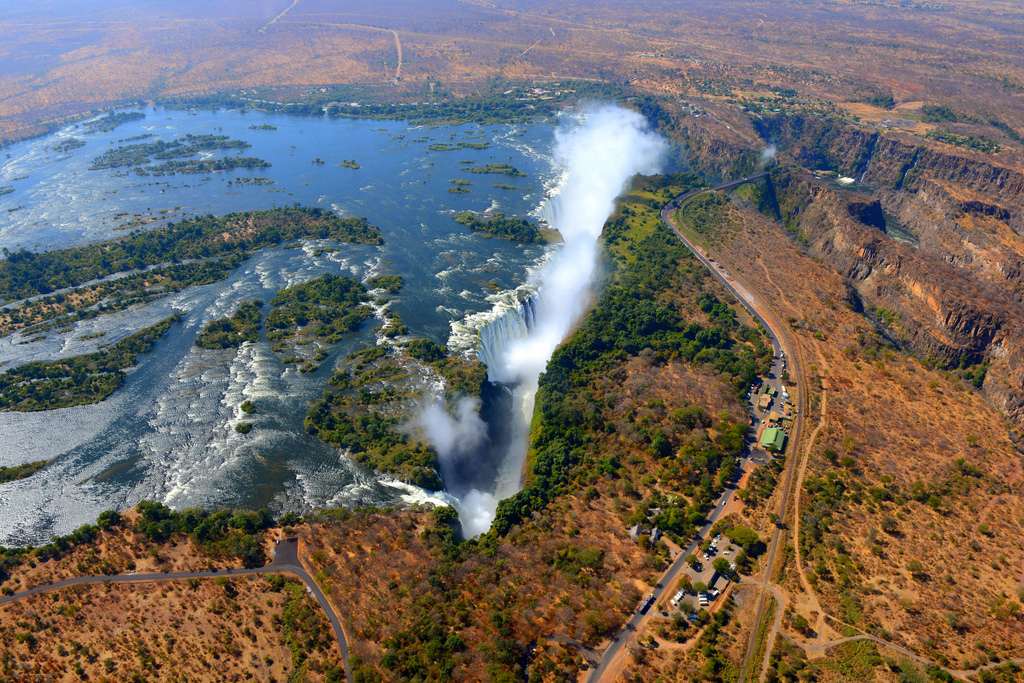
[455, 146]
[497, 169]
[220, 534]
[79, 380]
[635, 313]
[369, 400]
[109, 122]
[139, 154]
[114, 294]
[362, 411]
[502, 102]
[389, 283]
[498, 225]
[67, 145]
[304, 627]
[321, 309]
[23, 471]
[201, 166]
[242, 326]
[24, 273]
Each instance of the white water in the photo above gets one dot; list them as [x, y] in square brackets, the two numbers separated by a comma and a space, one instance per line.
[598, 151]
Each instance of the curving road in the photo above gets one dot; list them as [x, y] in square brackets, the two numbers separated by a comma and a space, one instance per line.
[638, 619]
[286, 561]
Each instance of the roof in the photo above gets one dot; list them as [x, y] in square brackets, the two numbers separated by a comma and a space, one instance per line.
[773, 439]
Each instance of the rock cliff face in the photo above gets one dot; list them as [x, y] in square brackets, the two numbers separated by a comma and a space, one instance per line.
[964, 228]
[890, 161]
[949, 311]
[930, 239]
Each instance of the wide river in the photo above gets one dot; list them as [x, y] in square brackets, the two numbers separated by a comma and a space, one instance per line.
[168, 434]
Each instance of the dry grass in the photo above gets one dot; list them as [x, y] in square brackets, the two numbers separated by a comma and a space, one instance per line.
[209, 630]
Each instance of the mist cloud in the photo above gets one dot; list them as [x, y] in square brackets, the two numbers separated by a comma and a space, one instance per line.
[600, 152]
[453, 435]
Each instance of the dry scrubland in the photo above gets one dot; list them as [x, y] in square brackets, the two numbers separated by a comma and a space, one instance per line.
[912, 498]
[417, 604]
[97, 53]
[903, 546]
[212, 629]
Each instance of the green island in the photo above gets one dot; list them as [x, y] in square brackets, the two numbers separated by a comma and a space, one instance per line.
[510, 228]
[370, 398]
[79, 380]
[242, 326]
[24, 273]
[263, 126]
[350, 163]
[23, 471]
[251, 180]
[498, 169]
[394, 326]
[462, 377]
[193, 166]
[390, 283]
[318, 310]
[455, 146]
[112, 120]
[367, 400]
[89, 301]
[139, 154]
[68, 145]
[459, 186]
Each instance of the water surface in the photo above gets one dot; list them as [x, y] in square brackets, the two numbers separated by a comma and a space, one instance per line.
[168, 434]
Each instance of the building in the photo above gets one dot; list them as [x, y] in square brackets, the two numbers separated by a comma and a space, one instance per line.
[773, 439]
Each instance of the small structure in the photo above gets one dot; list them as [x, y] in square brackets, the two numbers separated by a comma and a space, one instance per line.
[773, 439]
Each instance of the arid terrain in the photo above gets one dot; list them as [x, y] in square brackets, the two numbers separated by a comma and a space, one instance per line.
[835, 56]
[885, 241]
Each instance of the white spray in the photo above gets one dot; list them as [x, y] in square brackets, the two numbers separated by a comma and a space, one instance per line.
[599, 151]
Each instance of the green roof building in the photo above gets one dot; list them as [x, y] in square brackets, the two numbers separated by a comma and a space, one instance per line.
[773, 439]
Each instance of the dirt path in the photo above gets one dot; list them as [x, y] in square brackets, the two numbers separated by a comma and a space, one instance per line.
[286, 10]
[398, 51]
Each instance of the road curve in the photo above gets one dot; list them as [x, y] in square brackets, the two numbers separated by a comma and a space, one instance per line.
[638, 618]
[286, 561]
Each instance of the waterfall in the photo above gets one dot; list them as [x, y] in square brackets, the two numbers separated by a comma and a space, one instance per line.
[599, 151]
[510, 323]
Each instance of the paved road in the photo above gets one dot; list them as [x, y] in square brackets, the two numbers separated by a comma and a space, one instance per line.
[639, 618]
[286, 561]
[780, 341]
